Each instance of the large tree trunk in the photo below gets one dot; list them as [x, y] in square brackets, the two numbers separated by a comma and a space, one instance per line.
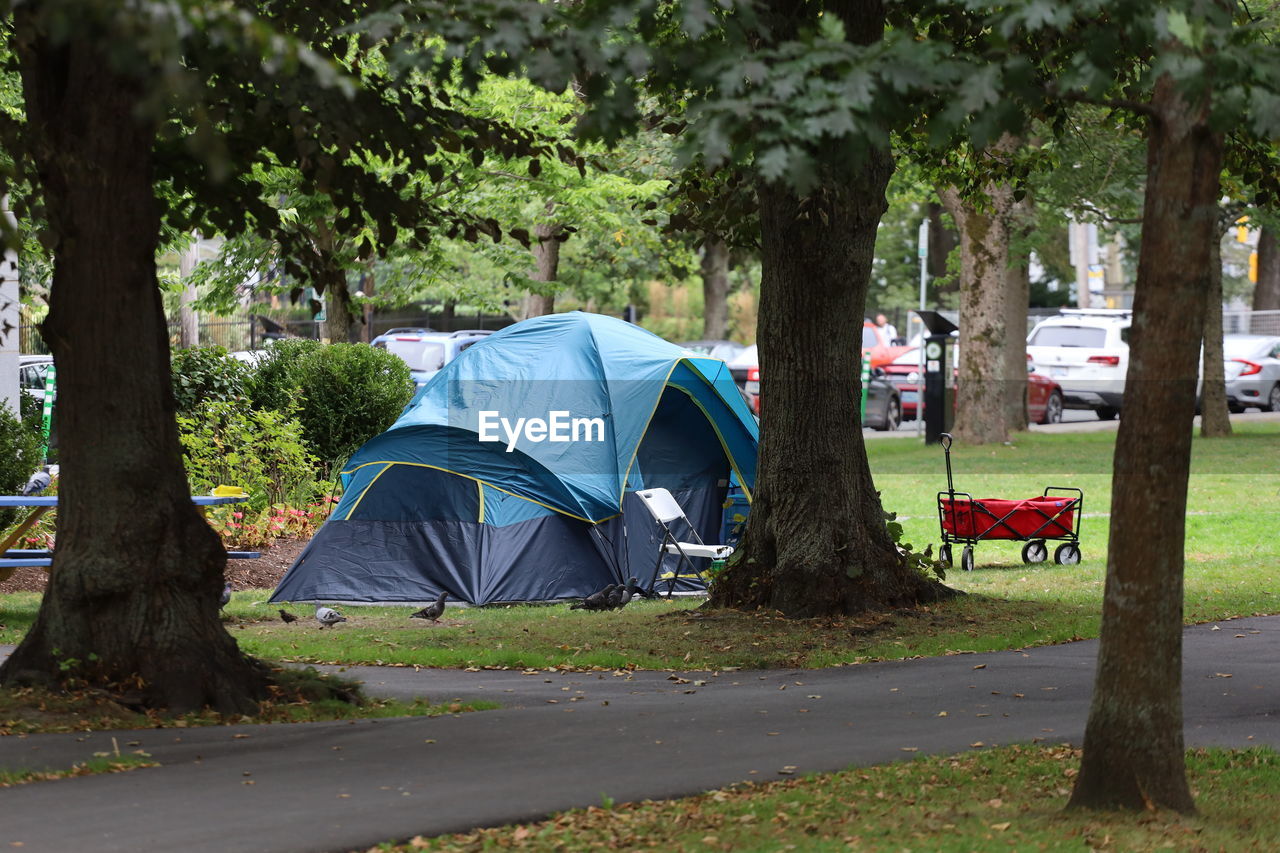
[942, 242]
[1017, 297]
[816, 541]
[132, 601]
[339, 321]
[1215, 421]
[715, 290]
[1133, 745]
[1266, 293]
[546, 254]
[984, 257]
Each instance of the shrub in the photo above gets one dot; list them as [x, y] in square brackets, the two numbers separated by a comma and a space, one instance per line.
[203, 374]
[346, 393]
[261, 451]
[275, 381]
[19, 456]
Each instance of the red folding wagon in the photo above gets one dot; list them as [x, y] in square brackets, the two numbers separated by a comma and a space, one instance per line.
[1052, 516]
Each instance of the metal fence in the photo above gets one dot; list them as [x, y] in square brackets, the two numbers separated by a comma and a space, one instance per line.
[1251, 322]
[250, 331]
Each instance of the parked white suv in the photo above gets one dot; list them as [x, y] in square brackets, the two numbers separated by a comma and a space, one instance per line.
[1086, 351]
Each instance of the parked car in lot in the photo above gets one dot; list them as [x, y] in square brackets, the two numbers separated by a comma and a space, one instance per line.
[1044, 396]
[884, 405]
[874, 343]
[32, 372]
[1086, 351]
[426, 351]
[1252, 371]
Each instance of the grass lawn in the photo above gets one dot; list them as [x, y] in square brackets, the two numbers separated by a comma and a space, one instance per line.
[1233, 569]
[1004, 799]
[104, 763]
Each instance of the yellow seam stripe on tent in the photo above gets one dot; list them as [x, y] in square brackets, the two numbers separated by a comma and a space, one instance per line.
[366, 491]
[480, 489]
[741, 480]
[389, 463]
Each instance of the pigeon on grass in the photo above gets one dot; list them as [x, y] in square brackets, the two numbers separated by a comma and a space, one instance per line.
[327, 616]
[226, 595]
[432, 611]
[634, 588]
[595, 601]
[287, 617]
[614, 599]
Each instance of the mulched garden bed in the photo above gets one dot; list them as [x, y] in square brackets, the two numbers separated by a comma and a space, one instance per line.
[263, 573]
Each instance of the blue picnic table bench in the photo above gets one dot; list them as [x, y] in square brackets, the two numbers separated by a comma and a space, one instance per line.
[17, 558]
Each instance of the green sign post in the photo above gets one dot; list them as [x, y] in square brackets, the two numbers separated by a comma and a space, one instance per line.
[866, 381]
[50, 388]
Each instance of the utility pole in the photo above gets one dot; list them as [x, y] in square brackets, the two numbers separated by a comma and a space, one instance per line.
[1079, 240]
[189, 329]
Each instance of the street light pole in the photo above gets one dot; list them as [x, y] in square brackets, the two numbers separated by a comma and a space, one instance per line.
[922, 249]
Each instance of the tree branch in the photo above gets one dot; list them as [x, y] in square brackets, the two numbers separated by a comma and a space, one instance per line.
[1139, 107]
[1085, 207]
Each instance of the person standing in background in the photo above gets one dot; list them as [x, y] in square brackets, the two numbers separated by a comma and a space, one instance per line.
[890, 331]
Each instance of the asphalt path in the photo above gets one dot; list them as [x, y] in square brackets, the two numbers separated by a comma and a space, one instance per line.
[565, 740]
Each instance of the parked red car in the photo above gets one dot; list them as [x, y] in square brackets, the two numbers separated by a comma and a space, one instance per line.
[1044, 396]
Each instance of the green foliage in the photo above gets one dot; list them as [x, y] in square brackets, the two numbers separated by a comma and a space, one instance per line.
[922, 561]
[350, 393]
[205, 375]
[275, 381]
[19, 455]
[261, 451]
[345, 393]
[32, 412]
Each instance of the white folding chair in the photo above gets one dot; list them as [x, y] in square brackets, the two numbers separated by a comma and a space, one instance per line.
[664, 509]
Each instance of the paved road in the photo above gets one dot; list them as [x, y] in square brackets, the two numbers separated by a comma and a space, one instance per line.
[566, 740]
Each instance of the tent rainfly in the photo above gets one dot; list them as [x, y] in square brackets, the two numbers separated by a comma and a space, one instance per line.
[511, 475]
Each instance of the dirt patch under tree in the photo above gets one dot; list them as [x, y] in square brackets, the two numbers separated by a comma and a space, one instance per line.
[263, 573]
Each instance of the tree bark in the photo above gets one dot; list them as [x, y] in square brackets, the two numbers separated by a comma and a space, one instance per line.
[1215, 420]
[132, 601]
[1266, 293]
[715, 290]
[942, 242]
[1133, 743]
[816, 542]
[546, 254]
[981, 409]
[339, 320]
[1017, 297]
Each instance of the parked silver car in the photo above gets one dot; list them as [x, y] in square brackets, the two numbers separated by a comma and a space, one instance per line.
[1253, 371]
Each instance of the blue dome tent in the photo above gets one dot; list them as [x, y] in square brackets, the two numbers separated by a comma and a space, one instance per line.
[510, 475]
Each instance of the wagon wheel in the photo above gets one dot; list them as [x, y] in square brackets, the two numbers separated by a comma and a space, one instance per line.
[966, 558]
[1067, 554]
[1035, 551]
[944, 556]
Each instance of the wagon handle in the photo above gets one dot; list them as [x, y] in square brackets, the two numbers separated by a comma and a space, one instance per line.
[945, 441]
